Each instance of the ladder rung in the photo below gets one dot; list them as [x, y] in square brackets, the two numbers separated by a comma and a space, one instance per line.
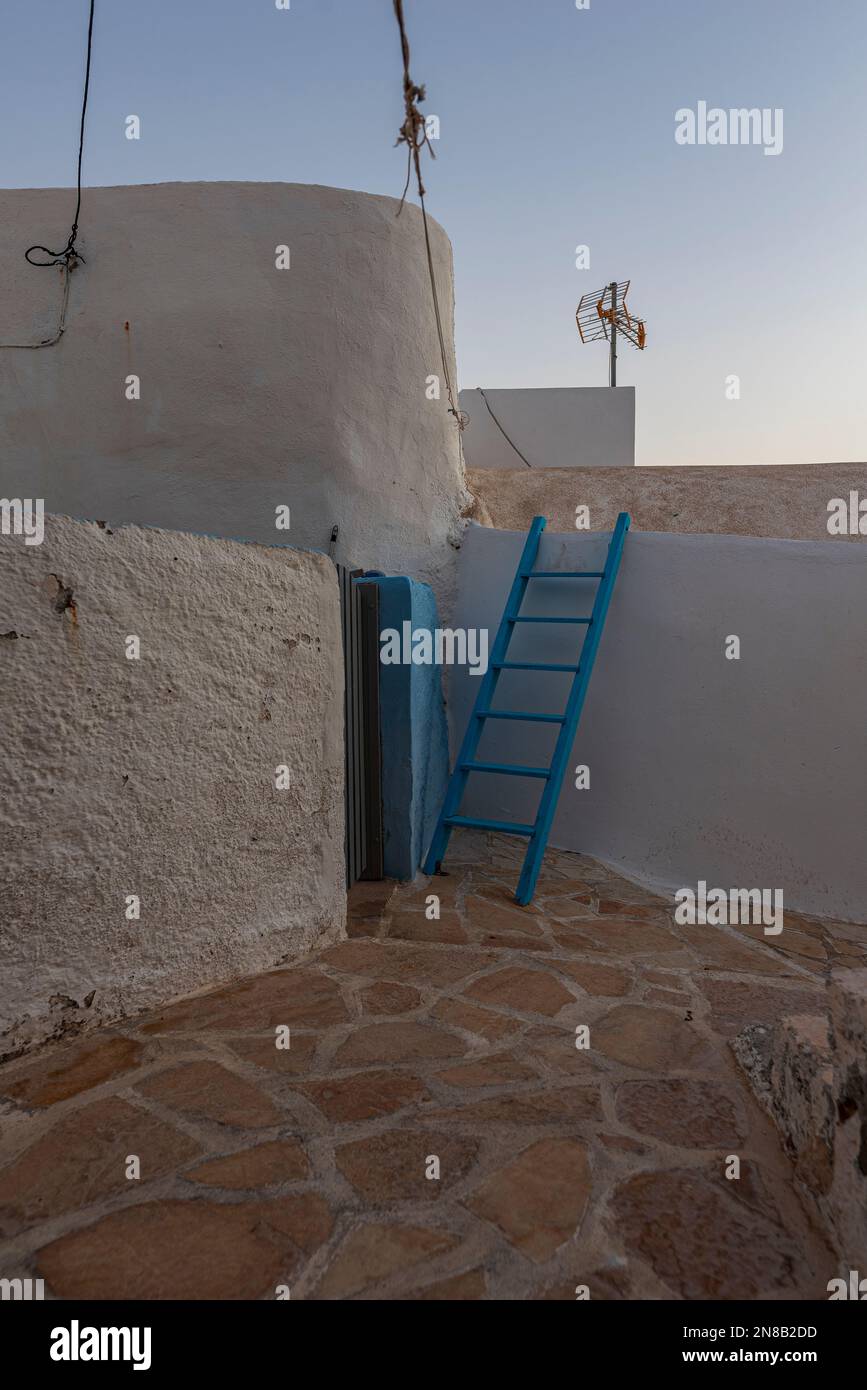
[551, 620]
[566, 574]
[520, 714]
[512, 769]
[508, 826]
[531, 666]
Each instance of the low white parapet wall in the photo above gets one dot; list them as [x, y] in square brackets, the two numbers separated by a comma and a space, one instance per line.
[550, 427]
[747, 772]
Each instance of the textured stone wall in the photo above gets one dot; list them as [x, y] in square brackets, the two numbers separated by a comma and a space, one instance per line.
[155, 777]
[810, 1072]
[789, 502]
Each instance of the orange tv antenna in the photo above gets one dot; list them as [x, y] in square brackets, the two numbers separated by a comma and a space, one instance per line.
[603, 314]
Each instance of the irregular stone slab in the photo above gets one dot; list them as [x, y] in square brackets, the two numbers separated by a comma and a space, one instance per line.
[622, 1143]
[575, 890]
[604, 1286]
[694, 1114]
[187, 1250]
[648, 1038]
[790, 942]
[367, 902]
[810, 926]
[494, 891]
[487, 916]
[488, 1071]
[799, 944]
[210, 1092]
[848, 954]
[674, 998]
[617, 937]
[512, 943]
[398, 1042]
[530, 991]
[280, 1160]
[556, 1047]
[539, 1199]
[50, 1077]
[374, 1252]
[716, 951]
[472, 847]
[365, 1095]
[793, 925]
[305, 998]
[460, 1288]
[544, 1107]
[669, 978]
[612, 886]
[264, 1052]
[570, 909]
[605, 981]
[83, 1158]
[736, 1003]
[432, 965]
[443, 886]
[415, 926]
[843, 931]
[389, 998]
[390, 1167]
[702, 1242]
[655, 911]
[459, 1014]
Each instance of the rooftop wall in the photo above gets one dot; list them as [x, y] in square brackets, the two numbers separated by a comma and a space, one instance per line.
[155, 776]
[260, 387]
[746, 773]
[553, 427]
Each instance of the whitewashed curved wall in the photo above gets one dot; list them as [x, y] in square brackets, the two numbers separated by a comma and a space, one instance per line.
[259, 387]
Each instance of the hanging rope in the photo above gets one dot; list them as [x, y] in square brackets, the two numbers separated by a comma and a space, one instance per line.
[414, 135]
[69, 257]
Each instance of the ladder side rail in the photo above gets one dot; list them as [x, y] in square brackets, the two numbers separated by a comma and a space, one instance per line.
[551, 793]
[472, 733]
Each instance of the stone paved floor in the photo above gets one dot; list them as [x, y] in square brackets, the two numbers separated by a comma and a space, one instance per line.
[418, 1039]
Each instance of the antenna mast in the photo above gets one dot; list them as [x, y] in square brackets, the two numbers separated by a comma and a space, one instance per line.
[597, 320]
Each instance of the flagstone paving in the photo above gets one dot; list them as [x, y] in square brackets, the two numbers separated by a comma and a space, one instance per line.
[433, 1132]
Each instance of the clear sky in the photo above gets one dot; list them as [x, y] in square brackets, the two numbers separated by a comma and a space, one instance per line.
[557, 129]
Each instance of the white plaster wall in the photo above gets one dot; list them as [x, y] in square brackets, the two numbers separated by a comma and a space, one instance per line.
[259, 386]
[749, 773]
[156, 776]
[554, 427]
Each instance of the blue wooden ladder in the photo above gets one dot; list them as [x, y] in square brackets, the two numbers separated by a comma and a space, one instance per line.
[568, 721]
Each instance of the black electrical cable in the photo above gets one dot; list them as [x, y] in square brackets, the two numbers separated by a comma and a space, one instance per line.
[69, 252]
